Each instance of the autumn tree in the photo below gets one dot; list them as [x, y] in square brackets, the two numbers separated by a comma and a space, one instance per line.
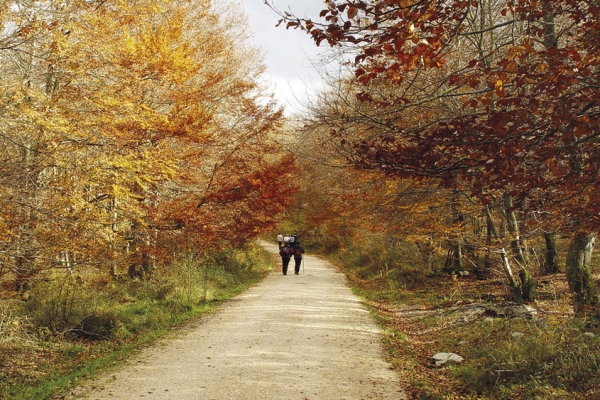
[521, 81]
[131, 131]
[365, 209]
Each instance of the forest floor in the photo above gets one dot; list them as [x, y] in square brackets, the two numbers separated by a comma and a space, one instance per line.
[435, 315]
[300, 336]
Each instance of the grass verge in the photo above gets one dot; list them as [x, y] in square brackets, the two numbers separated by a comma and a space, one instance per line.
[547, 355]
[47, 348]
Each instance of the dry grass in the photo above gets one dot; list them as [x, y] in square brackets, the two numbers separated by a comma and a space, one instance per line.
[428, 317]
[40, 357]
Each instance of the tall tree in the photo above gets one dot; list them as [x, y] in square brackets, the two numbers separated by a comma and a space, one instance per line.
[518, 107]
[121, 119]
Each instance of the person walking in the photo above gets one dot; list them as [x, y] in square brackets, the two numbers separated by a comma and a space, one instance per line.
[298, 251]
[286, 254]
[280, 239]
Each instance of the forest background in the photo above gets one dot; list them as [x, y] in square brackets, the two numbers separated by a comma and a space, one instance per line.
[453, 162]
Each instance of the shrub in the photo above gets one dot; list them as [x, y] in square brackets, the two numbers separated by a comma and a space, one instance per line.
[97, 326]
[61, 304]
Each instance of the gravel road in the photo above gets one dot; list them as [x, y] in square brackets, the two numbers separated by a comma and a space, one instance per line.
[290, 337]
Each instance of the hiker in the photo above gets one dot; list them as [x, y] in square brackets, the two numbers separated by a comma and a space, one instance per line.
[292, 240]
[280, 239]
[286, 254]
[298, 251]
[295, 238]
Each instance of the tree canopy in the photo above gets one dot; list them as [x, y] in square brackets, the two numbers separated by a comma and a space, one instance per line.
[131, 131]
[489, 95]
[495, 99]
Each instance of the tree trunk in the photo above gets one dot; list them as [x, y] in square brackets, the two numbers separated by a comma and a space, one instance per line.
[550, 266]
[579, 274]
[549, 30]
[513, 228]
[516, 289]
[454, 257]
[527, 286]
[427, 253]
[487, 261]
[458, 261]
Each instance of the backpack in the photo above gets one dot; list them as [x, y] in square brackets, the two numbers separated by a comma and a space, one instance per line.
[298, 252]
[285, 252]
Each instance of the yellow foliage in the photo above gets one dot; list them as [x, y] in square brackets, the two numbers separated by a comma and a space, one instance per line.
[124, 111]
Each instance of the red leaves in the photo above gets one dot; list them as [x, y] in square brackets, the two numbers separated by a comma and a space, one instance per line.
[470, 103]
[352, 12]
[525, 101]
[371, 51]
[575, 56]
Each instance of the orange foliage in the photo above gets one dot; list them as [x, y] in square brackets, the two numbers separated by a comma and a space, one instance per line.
[132, 131]
[487, 96]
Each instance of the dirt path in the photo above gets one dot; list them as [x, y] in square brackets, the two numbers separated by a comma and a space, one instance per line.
[290, 337]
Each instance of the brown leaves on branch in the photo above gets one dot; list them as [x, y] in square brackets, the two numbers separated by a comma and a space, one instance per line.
[485, 95]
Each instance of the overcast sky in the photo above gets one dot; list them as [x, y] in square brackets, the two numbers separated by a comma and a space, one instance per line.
[289, 53]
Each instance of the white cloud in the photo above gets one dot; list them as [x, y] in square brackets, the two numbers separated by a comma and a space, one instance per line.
[289, 53]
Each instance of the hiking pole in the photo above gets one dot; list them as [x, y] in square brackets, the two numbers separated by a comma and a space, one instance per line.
[302, 265]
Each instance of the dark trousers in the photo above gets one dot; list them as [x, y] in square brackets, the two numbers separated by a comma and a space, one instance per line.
[285, 262]
[298, 262]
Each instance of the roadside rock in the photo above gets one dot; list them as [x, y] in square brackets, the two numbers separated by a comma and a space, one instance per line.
[466, 313]
[510, 310]
[441, 359]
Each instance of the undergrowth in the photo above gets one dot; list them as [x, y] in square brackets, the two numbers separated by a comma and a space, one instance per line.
[551, 355]
[74, 326]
